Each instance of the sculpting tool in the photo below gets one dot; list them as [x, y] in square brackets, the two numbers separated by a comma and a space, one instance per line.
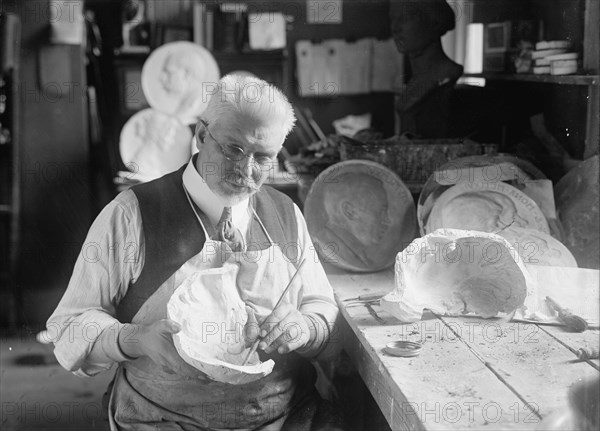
[570, 320]
[368, 297]
[257, 341]
[587, 353]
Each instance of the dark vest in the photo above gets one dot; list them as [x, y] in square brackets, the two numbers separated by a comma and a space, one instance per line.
[173, 234]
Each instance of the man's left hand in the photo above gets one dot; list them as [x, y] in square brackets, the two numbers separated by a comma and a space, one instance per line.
[285, 330]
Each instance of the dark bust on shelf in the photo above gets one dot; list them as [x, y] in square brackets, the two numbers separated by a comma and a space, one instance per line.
[417, 27]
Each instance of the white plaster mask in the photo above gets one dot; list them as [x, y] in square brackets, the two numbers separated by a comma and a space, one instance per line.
[457, 272]
[212, 315]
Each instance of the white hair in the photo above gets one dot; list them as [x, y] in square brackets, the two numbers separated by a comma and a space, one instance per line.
[253, 97]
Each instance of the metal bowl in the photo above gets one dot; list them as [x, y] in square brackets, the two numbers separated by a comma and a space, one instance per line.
[403, 348]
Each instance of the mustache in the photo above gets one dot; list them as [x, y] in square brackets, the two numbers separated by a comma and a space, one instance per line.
[241, 180]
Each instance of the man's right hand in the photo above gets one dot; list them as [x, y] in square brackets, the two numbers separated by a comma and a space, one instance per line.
[156, 342]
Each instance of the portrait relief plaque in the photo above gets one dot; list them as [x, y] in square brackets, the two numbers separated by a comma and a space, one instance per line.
[485, 207]
[153, 144]
[492, 168]
[178, 79]
[360, 215]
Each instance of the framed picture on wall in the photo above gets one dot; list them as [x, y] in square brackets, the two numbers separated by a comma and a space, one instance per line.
[497, 37]
[496, 46]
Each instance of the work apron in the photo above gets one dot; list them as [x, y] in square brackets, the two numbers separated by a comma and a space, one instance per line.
[145, 396]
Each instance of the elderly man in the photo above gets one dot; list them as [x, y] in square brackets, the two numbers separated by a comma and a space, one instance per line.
[114, 310]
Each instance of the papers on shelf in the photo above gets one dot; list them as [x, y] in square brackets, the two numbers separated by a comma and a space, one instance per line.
[337, 67]
[266, 30]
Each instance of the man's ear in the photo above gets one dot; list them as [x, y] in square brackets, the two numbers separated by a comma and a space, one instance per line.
[200, 132]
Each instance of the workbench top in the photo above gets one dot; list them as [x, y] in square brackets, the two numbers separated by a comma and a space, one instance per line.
[472, 373]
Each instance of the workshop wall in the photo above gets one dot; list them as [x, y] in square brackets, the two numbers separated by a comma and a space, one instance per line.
[360, 19]
[55, 189]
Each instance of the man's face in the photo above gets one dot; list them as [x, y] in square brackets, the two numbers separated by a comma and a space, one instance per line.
[236, 154]
[174, 77]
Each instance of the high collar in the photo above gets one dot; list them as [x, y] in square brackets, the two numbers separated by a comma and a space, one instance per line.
[210, 203]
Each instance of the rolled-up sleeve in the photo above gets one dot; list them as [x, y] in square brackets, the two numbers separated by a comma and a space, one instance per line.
[318, 303]
[83, 327]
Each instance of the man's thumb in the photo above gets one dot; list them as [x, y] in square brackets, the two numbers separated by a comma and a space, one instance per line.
[169, 326]
[251, 329]
[251, 316]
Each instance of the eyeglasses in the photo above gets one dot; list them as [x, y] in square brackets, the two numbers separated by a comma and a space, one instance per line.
[235, 153]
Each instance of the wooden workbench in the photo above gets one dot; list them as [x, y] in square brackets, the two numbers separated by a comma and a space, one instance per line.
[471, 374]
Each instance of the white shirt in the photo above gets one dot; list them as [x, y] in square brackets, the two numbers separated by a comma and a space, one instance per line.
[211, 204]
[83, 327]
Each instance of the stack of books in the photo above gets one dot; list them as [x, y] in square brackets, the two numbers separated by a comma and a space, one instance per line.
[554, 58]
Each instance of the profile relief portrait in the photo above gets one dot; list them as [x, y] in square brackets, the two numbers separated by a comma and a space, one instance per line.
[181, 78]
[487, 211]
[153, 143]
[156, 130]
[357, 219]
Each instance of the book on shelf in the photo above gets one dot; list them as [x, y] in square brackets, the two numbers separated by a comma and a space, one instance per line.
[204, 24]
[199, 14]
[209, 29]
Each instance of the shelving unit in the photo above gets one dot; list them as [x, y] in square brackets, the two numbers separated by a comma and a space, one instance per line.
[545, 79]
[571, 101]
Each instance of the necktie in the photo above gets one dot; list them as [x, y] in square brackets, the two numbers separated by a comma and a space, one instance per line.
[228, 233]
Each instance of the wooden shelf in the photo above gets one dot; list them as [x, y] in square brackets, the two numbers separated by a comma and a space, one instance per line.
[252, 54]
[141, 52]
[248, 54]
[547, 79]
